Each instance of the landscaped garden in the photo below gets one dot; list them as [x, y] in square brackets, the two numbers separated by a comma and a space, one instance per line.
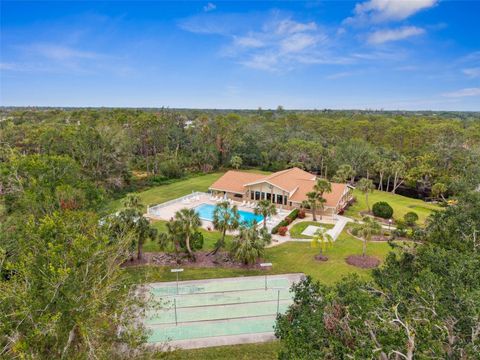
[400, 204]
[290, 257]
[297, 229]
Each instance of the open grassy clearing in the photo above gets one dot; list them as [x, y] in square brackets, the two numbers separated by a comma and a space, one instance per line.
[297, 229]
[290, 257]
[181, 187]
[161, 193]
[400, 204]
[264, 351]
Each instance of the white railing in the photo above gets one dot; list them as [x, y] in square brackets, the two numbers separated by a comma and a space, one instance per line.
[154, 210]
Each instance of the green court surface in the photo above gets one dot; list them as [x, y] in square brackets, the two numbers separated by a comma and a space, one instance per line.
[212, 329]
[248, 283]
[205, 309]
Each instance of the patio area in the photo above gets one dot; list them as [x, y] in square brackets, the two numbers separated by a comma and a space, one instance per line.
[167, 210]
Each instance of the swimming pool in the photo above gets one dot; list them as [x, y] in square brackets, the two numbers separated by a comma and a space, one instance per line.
[205, 211]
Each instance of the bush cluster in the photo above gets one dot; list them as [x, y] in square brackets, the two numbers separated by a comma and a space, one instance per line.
[285, 222]
[382, 209]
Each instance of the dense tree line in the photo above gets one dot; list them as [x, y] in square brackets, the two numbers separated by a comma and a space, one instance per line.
[394, 150]
[423, 303]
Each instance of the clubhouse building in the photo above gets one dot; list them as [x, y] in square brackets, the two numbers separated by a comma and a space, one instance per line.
[287, 189]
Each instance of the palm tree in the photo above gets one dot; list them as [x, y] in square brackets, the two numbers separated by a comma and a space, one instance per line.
[173, 236]
[368, 228]
[366, 186]
[322, 186]
[249, 244]
[225, 218]
[323, 239]
[131, 218]
[189, 222]
[265, 208]
[312, 201]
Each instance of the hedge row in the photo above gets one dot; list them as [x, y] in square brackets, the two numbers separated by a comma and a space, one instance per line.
[285, 222]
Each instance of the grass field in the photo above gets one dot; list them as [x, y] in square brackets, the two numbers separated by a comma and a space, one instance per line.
[297, 229]
[264, 351]
[400, 204]
[162, 193]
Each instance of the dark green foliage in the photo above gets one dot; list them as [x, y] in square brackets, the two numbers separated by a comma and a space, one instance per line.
[293, 215]
[410, 218]
[422, 303]
[382, 209]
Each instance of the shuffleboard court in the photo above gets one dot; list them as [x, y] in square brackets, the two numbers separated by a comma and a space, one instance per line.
[212, 312]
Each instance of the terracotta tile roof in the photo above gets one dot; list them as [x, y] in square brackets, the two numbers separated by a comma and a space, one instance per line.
[306, 186]
[296, 181]
[234, 181]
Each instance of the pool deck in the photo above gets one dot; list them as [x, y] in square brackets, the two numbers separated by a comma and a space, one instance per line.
[167, 210]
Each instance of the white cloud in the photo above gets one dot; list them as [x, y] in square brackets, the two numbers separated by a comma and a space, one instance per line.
[59, 52]
[288, 26]
[463, 93]
[297, 42]
[387, 10]
[388, 35]
[209, 7]
[248, 42]
[472, 72]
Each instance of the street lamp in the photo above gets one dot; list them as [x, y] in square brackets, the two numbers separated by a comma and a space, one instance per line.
[265, 265]
[177, 271]
[389, 224]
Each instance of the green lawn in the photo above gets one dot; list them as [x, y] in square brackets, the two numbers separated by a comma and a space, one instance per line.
[291, 257]
[162, 193]
[297, 229]
[264, 351]
[400, 204]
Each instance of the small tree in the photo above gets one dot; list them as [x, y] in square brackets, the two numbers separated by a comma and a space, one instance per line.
[366, 230]
[131, 220]
[312, 201]
[249, 245]
[322, 239]
[344, 173]
[236, 162]
[366, 186]
[266, 209]
[225, 218]
[439, 190]
[188, 224]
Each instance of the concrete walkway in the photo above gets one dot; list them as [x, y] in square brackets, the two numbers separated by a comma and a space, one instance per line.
[334, 232]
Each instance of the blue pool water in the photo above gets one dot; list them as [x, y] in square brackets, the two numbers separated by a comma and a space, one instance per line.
[205, 211]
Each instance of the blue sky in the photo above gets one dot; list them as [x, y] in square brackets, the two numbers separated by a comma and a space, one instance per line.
[380, 54]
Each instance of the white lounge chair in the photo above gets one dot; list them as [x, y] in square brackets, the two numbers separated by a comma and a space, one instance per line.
[243, 203]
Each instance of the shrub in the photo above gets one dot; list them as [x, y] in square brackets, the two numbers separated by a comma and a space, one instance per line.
[410, 218]
[285, 222]
[280, 224]
[401, 230]
[282, 230]
[294, 214]
[382, 209]
[301, 214]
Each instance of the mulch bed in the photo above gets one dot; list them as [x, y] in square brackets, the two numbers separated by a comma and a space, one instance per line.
[203, 260]
[364, 262]
[321, 257]
[379, 219]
